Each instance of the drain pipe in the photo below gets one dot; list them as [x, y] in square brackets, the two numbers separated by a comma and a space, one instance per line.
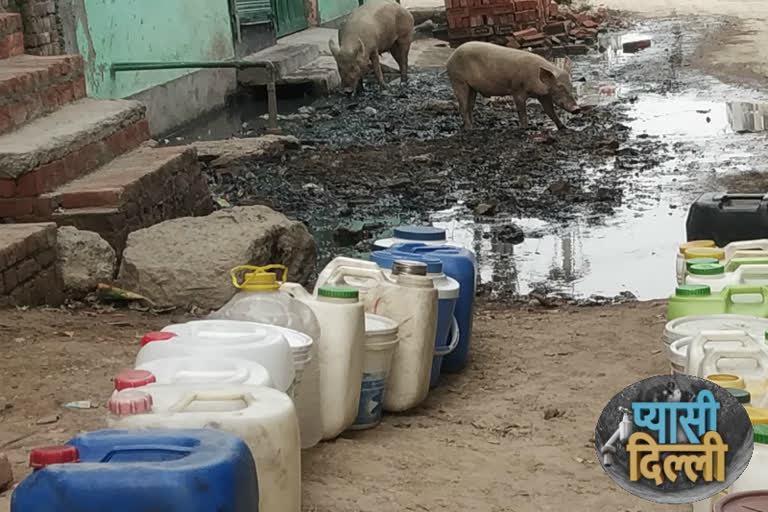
[268, 78]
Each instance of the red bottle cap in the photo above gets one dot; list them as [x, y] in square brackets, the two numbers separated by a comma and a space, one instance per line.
[133, 379]
[41, 457]
[156, 336]
[130, 401]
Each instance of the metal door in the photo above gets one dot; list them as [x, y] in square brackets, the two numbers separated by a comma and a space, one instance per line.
[290, 15]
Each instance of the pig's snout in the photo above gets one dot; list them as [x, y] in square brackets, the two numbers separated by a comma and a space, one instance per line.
[349, 91]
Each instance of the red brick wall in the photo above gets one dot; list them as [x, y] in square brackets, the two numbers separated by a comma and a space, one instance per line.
[42, 30]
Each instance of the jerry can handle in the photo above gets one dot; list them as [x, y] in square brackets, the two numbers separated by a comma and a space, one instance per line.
[254, 269]
[704, 338]
[712, 358]
[236, 376]
[339, 273]
[730, 291]
[455, 337]
[759, 269]
[210, 396]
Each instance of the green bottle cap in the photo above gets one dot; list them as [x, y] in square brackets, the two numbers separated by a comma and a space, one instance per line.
[692, 290]
[761, 433]
[706, 269]
[741, 395]
[697, 261]
[338, 292]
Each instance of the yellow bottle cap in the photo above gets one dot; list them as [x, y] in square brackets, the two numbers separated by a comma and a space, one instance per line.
[259, 278]
[757, 416]
[725, 380]
[704, 252]
[696, 243]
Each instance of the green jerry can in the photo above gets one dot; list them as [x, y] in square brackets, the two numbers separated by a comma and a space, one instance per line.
[698, 299]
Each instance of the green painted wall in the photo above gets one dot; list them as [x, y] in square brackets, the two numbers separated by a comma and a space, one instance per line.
[329, 10]
[147, 30]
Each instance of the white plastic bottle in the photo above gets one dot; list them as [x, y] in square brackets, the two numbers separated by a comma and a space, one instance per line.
[340, 351]
[263, 417]
[260, 299]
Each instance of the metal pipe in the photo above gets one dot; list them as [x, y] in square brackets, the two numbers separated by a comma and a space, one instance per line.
[272, 126]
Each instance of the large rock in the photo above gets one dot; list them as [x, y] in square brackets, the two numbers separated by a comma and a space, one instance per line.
[84, 259]
[186, 262]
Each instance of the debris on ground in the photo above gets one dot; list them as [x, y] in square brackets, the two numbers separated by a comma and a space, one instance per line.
[47, 420]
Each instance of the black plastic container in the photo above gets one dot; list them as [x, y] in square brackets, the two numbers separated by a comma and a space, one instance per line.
[725, 217]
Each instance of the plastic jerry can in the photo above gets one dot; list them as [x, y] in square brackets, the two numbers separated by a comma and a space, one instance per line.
[755, 477]
[461, 265]
[715, 276]
[429, 235]
[125, 471]
[680, 257]
[698, 299]
[745, 247]
[727, 218]
[732, 352]
[246, 341]
[408, 297]
[448, 333]
[264, 418]
[340, 352]
[260, 299]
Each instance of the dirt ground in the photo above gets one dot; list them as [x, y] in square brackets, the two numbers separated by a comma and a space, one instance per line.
[738, 54]
[480, 442]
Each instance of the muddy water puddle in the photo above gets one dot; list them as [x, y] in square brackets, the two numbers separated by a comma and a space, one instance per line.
[602, 207]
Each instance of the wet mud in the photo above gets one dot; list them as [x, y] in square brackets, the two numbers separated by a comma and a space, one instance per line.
[550, 213]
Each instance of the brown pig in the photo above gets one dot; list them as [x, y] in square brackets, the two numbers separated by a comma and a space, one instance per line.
[376, 27]
[493, 70]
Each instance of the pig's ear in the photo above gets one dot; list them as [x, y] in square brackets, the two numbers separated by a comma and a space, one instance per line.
[333, 47]
[547, 77]
[360, 47]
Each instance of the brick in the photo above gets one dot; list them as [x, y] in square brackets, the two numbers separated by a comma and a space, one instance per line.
[11, 45]
[635, 46]
[523, 33]
[576, 49]
[46, 257]
[7, 188]
[26, 269]
[526, 5]
[523, 16]
[556, 28]
[553, 9]
[10, 279]
[33, 40]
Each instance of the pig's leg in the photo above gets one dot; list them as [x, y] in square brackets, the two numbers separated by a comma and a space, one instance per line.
[399, 52]
[377, 69]
[549, 109]
[466, 98]
[522, 113]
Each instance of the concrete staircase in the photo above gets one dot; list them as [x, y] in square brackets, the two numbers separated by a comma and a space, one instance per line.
[66, 159]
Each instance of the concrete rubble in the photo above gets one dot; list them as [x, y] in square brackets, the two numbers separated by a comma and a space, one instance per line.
[186, 262]
[84, 259]
[221, 153]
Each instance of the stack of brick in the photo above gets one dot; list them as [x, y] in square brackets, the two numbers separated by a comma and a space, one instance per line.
[73, 160]
[28, 274]
[538, 25]
[41, 33]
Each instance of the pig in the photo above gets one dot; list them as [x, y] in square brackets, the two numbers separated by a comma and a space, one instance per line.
[376, 27]
[493, 70]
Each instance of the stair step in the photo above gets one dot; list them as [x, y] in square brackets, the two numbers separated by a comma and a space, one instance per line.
[32, 86]
[134, 191]
[322, 73]
[67, 144]
[11, 35]
[286, 58]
